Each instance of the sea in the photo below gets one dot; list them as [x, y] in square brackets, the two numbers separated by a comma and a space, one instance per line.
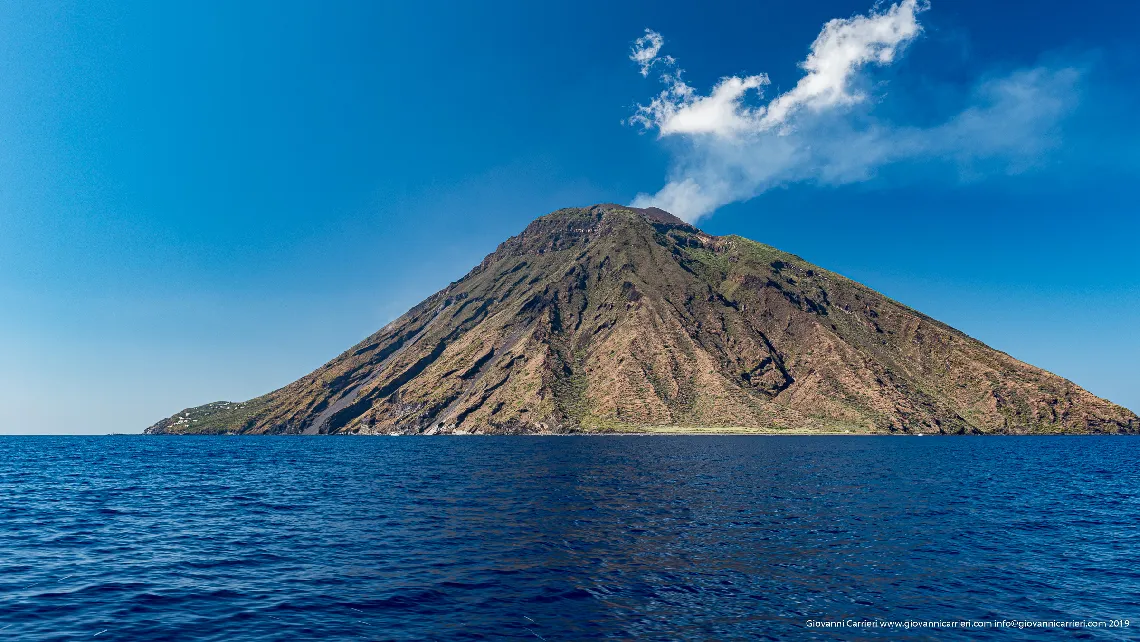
[569, 538]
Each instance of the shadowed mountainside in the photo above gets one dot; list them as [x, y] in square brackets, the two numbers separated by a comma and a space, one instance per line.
[611, 318]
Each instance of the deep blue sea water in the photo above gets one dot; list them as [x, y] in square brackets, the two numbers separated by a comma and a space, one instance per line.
[562, 538]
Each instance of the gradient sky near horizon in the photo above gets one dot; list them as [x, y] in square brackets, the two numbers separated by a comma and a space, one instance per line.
[205, 201]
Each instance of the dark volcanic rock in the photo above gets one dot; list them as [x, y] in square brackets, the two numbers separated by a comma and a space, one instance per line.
[616, 318]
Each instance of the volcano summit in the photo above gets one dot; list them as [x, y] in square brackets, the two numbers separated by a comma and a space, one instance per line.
[619, 319]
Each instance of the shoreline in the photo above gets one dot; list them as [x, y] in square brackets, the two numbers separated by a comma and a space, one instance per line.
[663, 432]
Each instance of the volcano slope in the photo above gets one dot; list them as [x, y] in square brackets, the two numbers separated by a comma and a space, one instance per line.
[612, 319]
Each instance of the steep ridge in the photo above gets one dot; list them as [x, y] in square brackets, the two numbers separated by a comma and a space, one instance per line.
[611, 318]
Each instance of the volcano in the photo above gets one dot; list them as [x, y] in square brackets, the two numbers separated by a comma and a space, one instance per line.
[618, 319]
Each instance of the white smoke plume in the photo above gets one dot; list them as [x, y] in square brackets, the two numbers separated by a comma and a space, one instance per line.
[822, 130]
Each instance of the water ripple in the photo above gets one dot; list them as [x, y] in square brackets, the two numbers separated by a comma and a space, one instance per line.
[137, 538]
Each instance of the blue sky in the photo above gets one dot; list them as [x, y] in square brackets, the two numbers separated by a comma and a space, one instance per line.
[203, 201]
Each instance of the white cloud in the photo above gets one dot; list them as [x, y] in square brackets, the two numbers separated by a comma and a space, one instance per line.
[679, 110]
[823, 130]
[840, 50]
[645, 50]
